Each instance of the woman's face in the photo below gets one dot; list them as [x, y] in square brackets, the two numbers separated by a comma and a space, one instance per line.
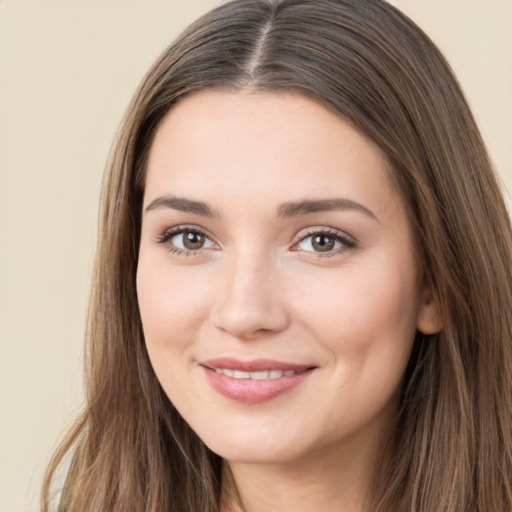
[278, 283]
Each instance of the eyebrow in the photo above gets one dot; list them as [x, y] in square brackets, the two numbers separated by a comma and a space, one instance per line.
[290, 209]
[182, 204]
[322, 205]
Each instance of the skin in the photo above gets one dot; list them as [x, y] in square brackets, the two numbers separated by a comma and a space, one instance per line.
[260, 288]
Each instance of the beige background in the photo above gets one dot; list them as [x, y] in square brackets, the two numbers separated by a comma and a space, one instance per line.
[67, 71]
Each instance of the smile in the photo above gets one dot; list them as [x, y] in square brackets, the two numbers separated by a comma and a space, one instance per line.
[255, 381]
[265, 374]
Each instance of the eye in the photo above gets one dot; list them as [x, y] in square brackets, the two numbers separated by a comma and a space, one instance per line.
[325, 242]
[186, 240]
[191, 240]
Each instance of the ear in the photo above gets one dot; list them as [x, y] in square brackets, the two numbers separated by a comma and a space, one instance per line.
[428, 321]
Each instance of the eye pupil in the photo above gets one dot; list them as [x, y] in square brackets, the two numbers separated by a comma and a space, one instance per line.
[323, 243]
[193, 240]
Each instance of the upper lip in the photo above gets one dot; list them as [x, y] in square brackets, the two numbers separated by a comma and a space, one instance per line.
[255, 365]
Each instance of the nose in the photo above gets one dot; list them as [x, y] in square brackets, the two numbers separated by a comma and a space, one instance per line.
[250, 304]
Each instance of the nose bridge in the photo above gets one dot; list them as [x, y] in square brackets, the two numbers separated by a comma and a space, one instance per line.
[250, 302]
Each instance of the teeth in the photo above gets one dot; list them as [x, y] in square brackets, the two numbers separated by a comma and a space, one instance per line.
[265, 374]
[259, 375]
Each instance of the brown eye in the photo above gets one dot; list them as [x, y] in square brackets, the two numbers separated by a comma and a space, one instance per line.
[327, 242]
[192, 240]
[322, 243]
[187, 240]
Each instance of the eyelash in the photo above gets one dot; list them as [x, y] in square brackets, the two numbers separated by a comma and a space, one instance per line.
[164, 238]
[348, 243]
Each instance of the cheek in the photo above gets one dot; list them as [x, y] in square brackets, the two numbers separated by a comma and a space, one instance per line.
[369, 311]
[171, 306]
[367, 323]
[171, 302]
[170, 312]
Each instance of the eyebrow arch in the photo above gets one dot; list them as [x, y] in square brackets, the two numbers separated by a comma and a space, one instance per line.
[322, 205]
[182, 204]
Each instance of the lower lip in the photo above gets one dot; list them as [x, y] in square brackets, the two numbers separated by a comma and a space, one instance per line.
[253, 391]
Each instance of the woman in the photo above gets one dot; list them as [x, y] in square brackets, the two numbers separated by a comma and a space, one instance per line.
[302, 289]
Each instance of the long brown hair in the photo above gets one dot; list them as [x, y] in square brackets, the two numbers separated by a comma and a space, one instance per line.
[130, 450]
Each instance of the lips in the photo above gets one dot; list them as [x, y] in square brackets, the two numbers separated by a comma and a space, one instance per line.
[254, 381]
[261, 375]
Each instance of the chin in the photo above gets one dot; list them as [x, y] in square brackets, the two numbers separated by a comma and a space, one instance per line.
[260, 448]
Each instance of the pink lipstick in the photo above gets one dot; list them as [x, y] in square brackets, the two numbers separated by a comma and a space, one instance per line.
[253, 381]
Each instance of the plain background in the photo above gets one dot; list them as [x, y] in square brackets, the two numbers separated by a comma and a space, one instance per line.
[67, 71]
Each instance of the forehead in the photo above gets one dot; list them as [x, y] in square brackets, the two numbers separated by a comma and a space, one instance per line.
[263, 147]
